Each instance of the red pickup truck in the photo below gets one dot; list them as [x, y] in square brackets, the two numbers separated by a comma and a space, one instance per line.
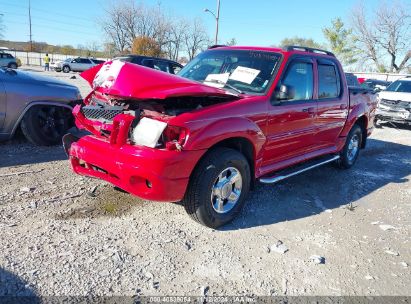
[233, 116]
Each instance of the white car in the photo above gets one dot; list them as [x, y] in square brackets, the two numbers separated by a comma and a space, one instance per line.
[78, 64]
[395, 102]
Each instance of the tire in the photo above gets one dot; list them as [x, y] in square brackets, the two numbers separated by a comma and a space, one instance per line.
[222, 173]
[66, 69]
[45, 125]
[351, 150]
[12, 66]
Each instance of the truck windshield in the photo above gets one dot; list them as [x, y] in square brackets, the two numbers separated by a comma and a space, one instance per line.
[239, 70]
[400, 86]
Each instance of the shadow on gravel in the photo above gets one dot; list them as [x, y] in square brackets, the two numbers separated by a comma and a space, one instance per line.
[19, 151]
[106, 201]
[327, 187]
[13, 289]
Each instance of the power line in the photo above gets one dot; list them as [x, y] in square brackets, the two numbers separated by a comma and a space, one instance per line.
[52, 28]
[48, 12]
[46, 19]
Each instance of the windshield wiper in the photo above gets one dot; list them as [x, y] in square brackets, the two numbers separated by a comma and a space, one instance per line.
[224, 85]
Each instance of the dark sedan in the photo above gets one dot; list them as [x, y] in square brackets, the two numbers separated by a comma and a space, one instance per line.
[40, 106]
[160, 64]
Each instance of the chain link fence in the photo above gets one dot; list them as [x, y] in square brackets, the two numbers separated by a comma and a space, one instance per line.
[37, 58]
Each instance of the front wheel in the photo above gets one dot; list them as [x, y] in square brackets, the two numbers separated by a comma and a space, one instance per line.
[13, 66]
[349, 153]
[218, 187]
[45, 125]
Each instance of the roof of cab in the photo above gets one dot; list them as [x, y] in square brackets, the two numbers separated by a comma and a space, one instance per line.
[285, 49]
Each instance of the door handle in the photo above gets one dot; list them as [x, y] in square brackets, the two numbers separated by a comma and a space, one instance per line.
[310, 110]
[343, 106]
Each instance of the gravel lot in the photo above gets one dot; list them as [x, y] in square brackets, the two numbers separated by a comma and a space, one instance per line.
[57, 238]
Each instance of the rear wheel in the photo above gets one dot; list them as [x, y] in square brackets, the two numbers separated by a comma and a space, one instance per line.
[45, 125]
[218, 187]
[349, 153]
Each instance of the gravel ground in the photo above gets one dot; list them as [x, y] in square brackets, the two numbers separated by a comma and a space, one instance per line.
[58, 237]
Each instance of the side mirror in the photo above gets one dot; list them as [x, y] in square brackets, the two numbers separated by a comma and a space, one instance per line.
[282, 93]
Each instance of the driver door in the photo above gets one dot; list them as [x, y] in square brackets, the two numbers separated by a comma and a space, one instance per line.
[291, 117]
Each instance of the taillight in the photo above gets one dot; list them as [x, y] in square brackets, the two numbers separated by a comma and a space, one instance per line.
[174, 137]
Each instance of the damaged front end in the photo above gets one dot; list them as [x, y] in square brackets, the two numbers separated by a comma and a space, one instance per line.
[137, 142]
[396, 111]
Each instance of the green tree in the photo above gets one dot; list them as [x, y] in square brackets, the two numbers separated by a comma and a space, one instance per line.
[341, 41]
[300, 41]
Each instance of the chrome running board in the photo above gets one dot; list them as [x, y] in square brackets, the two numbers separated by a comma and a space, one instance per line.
[280, 177]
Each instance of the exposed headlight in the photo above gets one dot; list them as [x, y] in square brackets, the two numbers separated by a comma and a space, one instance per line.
[158, 134]
[148, 132]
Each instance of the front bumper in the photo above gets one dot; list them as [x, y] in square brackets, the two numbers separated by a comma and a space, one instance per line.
[399, 116]
[151, 174]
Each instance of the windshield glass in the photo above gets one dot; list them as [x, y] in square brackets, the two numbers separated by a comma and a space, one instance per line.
[239, 70]
[400, 86]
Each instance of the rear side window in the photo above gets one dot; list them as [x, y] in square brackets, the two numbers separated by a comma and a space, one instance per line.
[148, 63]
[299, 81]
[328, 85]
[161, 66]
[84, 60]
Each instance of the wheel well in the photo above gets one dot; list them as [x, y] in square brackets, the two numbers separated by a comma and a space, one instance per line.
[362, 123]
[243, 146]
[17, 124]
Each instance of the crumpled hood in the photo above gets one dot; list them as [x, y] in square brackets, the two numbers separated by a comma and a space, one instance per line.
[395, 96]
[128, 80]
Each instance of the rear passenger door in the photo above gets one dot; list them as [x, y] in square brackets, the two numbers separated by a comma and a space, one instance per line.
[291, 120]
[85, 64]
[332, 104]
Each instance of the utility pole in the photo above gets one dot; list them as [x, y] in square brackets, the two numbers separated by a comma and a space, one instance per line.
[31, 41]
[217, 19]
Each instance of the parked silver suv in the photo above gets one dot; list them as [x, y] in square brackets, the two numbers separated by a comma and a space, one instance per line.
[8, 61]
[78, 64]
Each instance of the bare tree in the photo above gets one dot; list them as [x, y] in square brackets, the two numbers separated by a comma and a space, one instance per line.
[393, 31]
[113, 26]
[175, 39]
[127, 21]
[195, 38]
[388, 35]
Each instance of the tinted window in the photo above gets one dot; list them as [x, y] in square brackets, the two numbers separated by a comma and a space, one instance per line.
[327, 81]
[148, 63]
[175, 68]
[84, 60]
[126, 59]
[161, 66]
[299, 81]
[400, 86]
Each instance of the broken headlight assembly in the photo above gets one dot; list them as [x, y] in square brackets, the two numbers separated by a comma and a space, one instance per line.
[158, 134]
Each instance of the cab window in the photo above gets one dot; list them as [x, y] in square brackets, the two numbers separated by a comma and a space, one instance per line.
[327, 81]
[297, 83]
